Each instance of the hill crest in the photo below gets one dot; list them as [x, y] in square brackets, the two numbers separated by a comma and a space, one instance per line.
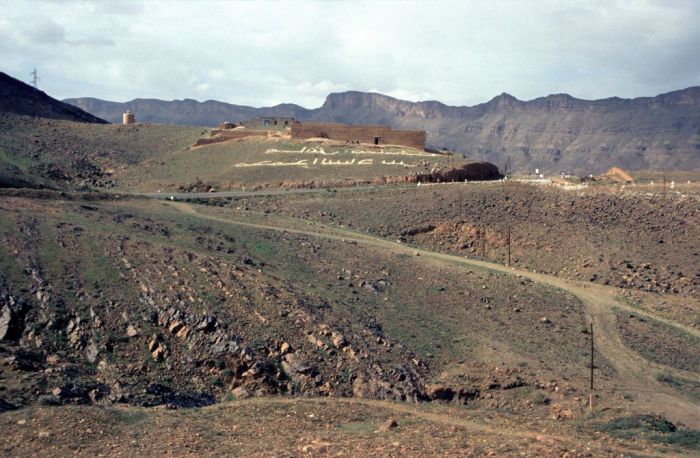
[20, 98]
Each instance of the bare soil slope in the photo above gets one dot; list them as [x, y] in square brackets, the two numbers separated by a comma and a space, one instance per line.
[151, 158]
[20, 98]
[643, 243]
[326, 427]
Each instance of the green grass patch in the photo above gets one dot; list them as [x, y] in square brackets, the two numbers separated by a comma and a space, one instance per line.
[654, 428]
[128, 417]
[641, 423]
[687, 386]
[359, 427]
[263, 249]
[22, 163]
[687, 439]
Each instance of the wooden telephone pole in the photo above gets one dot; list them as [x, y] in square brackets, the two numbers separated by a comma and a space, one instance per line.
[508, 246]
[590, 396]
[459, 191]
[664, 186]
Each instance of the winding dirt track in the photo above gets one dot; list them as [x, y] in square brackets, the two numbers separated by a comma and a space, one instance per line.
[481, 425]
[633, 372]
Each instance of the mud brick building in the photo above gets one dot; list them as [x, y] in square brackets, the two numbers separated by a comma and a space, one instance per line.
[370, 134]
[269, 122]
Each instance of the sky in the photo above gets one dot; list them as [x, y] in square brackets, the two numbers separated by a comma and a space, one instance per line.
[262, 53]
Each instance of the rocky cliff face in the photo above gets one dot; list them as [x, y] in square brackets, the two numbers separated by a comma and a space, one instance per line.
[20, 98]
[554, 133]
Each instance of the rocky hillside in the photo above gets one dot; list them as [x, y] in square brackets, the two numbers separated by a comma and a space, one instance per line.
[554, 133]
[20, 98]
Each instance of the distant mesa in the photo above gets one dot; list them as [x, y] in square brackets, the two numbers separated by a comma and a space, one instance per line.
[554, 133]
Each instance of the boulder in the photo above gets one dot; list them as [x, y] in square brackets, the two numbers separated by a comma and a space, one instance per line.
[240, 393]
[175, 326]
[285, 348]
[92, 352]
[388, 425]
[158, 353]
[131, 331]
[6, 322]
[339, 340]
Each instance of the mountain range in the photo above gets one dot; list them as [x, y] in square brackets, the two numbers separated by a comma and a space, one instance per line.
[553, 133]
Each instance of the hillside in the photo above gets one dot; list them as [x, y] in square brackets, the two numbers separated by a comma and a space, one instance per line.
[152, 157]
[22, 99]
[59, 154]
[553, 133]
[129, 303]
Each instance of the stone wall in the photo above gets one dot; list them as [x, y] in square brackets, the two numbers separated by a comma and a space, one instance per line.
[269, 122]
[223, 135]
[370, 134]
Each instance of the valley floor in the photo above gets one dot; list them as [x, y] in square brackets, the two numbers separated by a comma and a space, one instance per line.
[290, 427]
[313, 302]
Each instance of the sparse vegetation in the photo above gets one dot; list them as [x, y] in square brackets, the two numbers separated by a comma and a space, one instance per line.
[654, 428]
[381, 293]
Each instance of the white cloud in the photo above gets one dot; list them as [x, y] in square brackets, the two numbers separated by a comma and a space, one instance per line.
[264, 53]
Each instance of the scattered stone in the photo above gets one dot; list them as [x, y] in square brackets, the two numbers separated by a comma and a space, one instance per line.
[153, 343]
[206, 325]
[240, 393]
[339, 340]
[158, 353]
[183, 332]
[388, 425]
[131, 331]
[92, 352]
[285, 348]
[175, 326]
[6, 319]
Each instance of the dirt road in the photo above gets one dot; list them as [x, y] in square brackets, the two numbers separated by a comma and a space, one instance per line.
[633, 372]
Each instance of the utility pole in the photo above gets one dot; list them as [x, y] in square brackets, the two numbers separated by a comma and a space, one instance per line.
[664, 186]
[590, 396]
[508, 246]
[34, 80]
[459, 191]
